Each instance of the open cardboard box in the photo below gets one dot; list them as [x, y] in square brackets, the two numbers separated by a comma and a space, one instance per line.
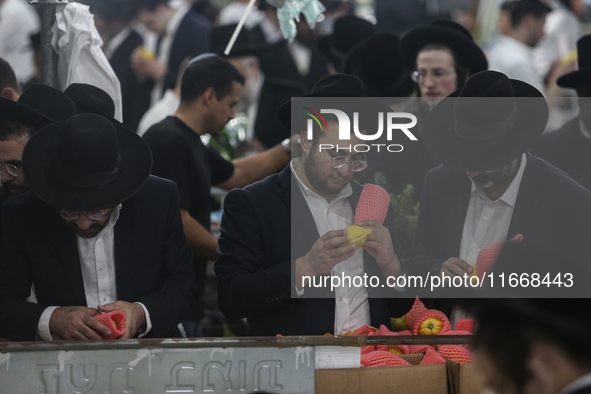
[463, 378]
[413, 379]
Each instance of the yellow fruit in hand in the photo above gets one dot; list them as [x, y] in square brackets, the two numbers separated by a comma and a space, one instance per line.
[147, 54]
[358, 235]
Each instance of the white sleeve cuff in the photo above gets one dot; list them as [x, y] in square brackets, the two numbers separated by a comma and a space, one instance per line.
[43, 325]
[401, 288]
[299, 292]
[148, 321]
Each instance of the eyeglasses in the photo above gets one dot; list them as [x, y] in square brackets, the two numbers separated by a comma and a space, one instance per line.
[340, 161]
[437, 75]
[73, 215]
[10, 168]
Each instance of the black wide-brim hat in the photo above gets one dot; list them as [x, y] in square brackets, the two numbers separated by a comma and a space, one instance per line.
[378, 64]
[491, 121]
[348, 31]
[86, 163]
[447, 33]
[246, 43]
[335, 85]
[583, 74]
[90, 99]
[38, 106]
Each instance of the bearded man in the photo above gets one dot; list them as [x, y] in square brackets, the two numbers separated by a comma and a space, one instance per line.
[258, 277]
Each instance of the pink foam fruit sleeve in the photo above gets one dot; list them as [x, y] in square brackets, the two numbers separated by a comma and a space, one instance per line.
[488, 255]
[114, 321]
[373, 204]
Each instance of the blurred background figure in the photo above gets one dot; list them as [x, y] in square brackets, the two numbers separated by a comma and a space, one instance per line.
[546, 351]
[9, 87]
[569, 148]
[113, 20]
[19, 29]
[512, 54]
[261, 95]
[348, 31]
[181, 34]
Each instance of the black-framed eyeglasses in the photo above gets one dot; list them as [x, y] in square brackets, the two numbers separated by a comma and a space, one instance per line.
[340, 161]
[73, 215]
[437, 75]
[10, 168]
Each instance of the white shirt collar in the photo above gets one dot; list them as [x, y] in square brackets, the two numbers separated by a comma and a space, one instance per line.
[510, 195]
[345, 192]
[584, 130]
[175, 21]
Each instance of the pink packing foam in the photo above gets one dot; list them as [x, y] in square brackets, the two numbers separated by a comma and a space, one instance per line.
[373, 204]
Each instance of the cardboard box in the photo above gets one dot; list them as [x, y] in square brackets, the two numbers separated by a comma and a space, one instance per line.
[463, 378]
[413, 379]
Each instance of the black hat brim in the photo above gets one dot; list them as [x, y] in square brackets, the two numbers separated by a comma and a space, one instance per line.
[444, 143]
[467, 50]
[573, 79]
[39, 169]
[13, 110]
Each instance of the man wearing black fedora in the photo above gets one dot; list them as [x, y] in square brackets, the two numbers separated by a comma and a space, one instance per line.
[569, 148]
[37, 107]
[261, 261]
[97, 234]
[489, 189]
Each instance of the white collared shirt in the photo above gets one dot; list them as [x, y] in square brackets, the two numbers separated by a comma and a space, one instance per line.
[164, 53]
[487, 222]
[578, 384]
[352, 305]
[97, 262]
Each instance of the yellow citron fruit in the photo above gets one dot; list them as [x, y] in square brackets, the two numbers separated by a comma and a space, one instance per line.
[430, 326]
[474, 271]
[394, 350]
[147, 54]
[398, 323]
[358, 235]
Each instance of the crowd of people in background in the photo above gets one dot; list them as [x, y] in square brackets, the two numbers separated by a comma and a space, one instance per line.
[107, 199]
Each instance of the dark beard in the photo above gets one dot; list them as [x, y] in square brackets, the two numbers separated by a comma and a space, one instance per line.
[315, 176]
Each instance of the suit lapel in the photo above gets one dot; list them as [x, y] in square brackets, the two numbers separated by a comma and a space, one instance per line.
[528, 198]
[67, 247]
[301, 217]
[123, 260]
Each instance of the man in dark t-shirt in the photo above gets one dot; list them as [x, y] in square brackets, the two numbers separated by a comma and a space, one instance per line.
[210, 89]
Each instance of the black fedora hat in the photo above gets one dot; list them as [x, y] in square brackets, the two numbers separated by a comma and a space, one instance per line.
[121, 10]
[91, 100]
[447, 33]
[348, 31]
[491, 121]
[86, 163]
[246, 43]
[583, 74]
[38, 106]
[335, 85]
[378, 64]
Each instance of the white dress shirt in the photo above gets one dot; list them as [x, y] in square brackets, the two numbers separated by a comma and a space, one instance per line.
[487, 222]
[352, 305]
[97, 262]
[583, 381]
[516, 60]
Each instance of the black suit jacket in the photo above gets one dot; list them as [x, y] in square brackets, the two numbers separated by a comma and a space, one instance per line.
[551, 210]
[135, 92]
[191, 39]
[153, 261]
[256, 257]
[568, 150]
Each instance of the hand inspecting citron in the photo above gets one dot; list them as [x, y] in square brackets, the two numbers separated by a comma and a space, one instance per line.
[357, 235]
